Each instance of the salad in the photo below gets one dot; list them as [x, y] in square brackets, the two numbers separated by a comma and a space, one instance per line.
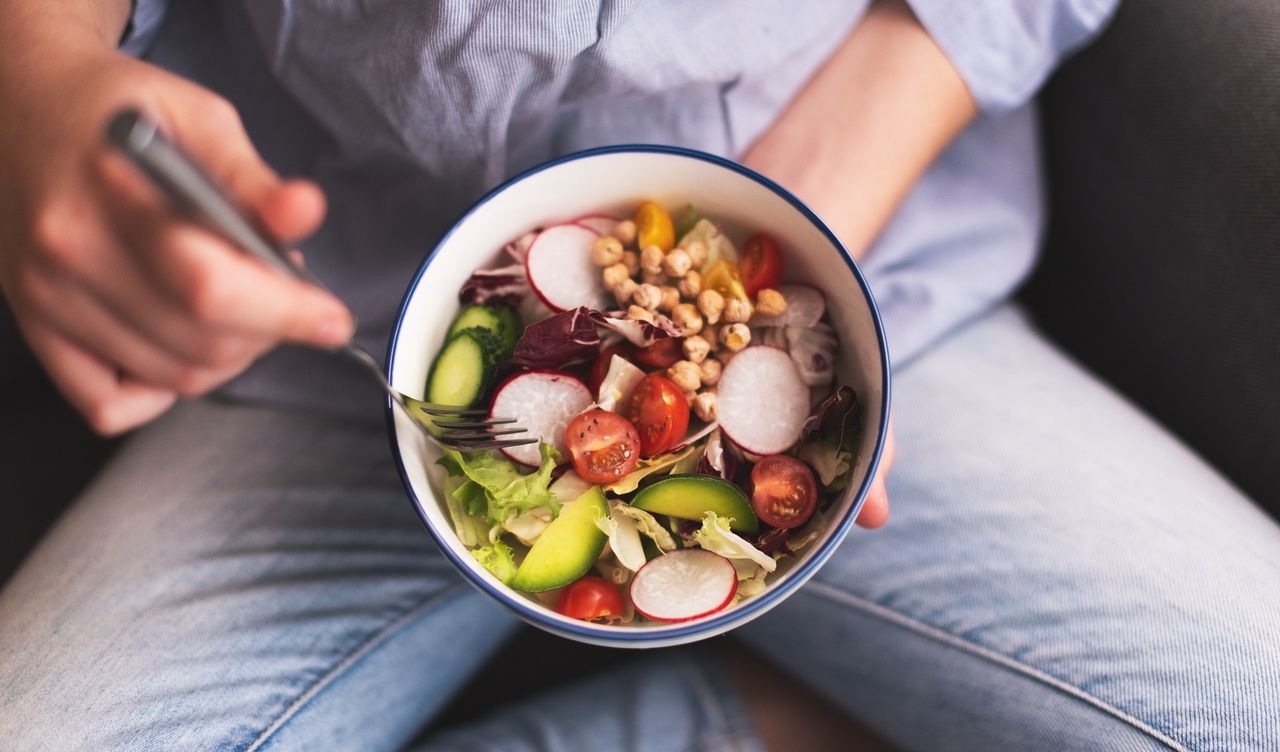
[690, 430]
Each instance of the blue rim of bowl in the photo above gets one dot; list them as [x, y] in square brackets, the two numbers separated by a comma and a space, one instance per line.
[769, 597]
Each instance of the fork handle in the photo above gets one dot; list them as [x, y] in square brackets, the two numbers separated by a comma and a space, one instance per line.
[187, 184]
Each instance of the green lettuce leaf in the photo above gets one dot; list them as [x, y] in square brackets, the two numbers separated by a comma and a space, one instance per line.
[716, 537]
[498, 559]
[507, 492]
[471, 530]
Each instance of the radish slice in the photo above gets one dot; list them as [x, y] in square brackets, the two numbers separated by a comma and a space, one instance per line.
[544, 402]
[763, 401]
[684, 584]
[805, 306]
[560, 269]
[600, 224]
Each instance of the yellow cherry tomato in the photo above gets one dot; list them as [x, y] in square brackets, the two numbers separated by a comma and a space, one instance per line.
[722, 276]
[653, 227]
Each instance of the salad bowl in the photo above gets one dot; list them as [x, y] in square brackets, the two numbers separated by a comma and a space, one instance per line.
[611, 180]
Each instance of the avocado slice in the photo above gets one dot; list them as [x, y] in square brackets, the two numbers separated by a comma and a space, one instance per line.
[567, 548]
[689, 497]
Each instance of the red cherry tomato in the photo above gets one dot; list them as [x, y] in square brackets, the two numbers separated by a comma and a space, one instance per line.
[660, 413]
[600, 368]
[784, 493]
[592, 599]
[663, 353]
[760, 264]
[604, 446]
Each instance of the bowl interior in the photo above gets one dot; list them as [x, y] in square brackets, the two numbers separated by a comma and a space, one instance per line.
[614, 181]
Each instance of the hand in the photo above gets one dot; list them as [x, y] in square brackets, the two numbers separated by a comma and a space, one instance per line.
[875, 511]
[125, 304]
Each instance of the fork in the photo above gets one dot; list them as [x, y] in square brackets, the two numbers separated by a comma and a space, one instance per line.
[188, 186]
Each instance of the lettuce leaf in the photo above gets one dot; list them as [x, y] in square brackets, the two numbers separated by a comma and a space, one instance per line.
[498, 559]
[624, 538]
[644, 468]
[507, 492]
[715, 536]
[618, 384]
[647, 525]
[828, 461]
[471, 530]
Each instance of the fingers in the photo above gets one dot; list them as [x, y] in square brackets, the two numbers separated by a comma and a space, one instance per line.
[875, 510]
[111, 405]
[84, 251]
[216, 286]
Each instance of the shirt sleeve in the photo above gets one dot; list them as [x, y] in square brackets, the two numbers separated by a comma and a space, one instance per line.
[144, 22]
[1005, 49]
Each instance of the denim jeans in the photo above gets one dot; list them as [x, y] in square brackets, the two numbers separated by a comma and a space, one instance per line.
[1059, 573]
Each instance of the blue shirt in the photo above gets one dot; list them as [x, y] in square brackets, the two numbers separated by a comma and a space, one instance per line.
[405, 112]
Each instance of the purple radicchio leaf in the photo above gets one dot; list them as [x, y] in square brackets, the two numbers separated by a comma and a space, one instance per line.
[834, 419]
[775, 540]
[639, 333]
[561, 339]
[720, 458]
[506, 284]
[518, 249]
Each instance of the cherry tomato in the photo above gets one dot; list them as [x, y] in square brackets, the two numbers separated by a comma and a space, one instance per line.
[784, 493]
[600, 368]
[653, 227]
[761, 264]
[660, 413]
[592, 599]
[663, 353]
[604, 446]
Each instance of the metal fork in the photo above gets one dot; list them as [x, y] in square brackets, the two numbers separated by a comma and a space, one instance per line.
[182, 179]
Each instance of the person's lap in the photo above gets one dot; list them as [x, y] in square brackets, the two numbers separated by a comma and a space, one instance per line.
[1057, 572]
[1056, 568]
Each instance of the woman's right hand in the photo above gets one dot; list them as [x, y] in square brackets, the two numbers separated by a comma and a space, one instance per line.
[125, 304]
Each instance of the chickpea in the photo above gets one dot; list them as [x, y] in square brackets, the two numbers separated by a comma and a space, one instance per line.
[686, 317]
[670, 298]
[631, 260]
[704, 405]
[690, 285]
[770, 302]
[677, 263]
[736, 310]
[736, 336]
[625, 232]
[711, 304]
[710, 370]
[690, 397]
[697, 251]
[615, 275]
[658, 280]
[636, 313]
[685, 374]
[696, 348]
[625, 291]
[651, 259]
[647, 296]
[712, 335]
[607, 251]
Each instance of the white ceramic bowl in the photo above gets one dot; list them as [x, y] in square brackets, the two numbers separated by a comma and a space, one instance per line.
[614, 180]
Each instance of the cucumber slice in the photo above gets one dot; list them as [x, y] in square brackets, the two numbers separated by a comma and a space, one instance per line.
[500, 321]
[567, 548]
[463, 369]
[689, 497]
